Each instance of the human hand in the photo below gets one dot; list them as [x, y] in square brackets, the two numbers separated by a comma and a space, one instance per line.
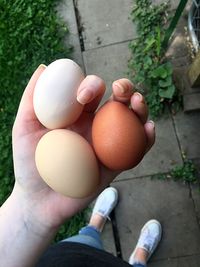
[43, 205]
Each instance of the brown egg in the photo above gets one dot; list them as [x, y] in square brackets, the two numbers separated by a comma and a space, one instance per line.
[67, 163]
[118, 136]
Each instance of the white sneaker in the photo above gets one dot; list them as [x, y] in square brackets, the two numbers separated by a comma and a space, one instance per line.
[149, 238]
[106, 202]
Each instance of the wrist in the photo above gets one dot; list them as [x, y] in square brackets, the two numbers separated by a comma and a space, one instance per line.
[22, 238]
[30, 212]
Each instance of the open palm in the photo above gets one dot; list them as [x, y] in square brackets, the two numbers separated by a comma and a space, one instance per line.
[47, 206]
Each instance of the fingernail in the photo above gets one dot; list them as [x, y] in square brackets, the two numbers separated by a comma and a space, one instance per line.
[42, 66]
[151, 124]
[85, 96]
[119, 88]
[138, 96]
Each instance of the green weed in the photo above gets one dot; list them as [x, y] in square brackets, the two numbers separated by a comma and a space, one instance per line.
[148, 68]
[186, 173]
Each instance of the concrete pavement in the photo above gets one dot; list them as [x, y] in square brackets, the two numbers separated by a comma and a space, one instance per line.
[100, 33]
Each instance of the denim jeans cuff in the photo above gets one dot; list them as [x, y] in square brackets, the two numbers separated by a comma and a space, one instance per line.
[89, 227]
[139, 264]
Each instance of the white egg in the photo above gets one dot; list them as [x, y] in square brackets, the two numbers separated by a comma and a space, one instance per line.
[55, 94]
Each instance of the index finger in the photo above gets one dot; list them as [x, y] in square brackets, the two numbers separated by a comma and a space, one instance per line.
[90, 92]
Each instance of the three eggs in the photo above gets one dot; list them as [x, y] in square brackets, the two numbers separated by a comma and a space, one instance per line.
[64, 159]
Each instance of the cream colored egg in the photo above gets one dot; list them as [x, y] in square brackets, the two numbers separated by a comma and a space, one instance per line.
[55, 94]
[67, 163]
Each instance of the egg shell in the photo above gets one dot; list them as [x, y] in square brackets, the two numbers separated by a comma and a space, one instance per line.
[118, 136]
[55, 94]
[67, 163]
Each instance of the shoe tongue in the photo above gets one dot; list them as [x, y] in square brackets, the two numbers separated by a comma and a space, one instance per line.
[147, 247]
[101, 211]
[146, 243]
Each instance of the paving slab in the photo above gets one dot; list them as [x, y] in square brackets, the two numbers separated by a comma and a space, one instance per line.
[108, 239]
[181, 80]
[163, 156]
[167, 201]
[191, 261]
[178, 48]
[110, 63]
[181, 61]
[191, 96]
[66, 10]
[191, 102]
[188, 128]
[178, 51]
[105, 22]
[195, 192]
[178, 45]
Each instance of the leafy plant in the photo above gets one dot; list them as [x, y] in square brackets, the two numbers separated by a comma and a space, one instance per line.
[186, 173]
[148, 68]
